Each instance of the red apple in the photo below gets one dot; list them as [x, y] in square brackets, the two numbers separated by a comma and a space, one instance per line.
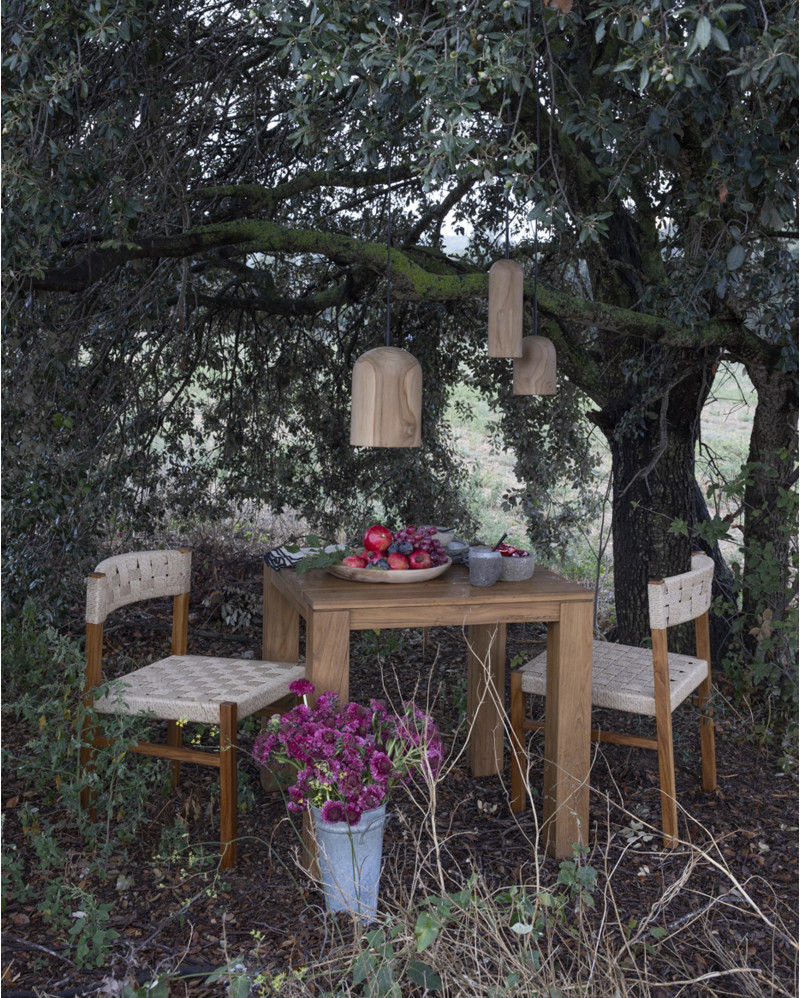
[354, 561]
[398, 561]
[419, 559]
[377, 538]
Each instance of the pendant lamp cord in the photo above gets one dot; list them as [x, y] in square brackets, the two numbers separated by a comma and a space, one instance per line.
[389, 246]
[536, 229]
[506, 188]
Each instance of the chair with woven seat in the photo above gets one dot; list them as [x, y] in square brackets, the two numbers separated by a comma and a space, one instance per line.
[181, 688]
[641, 681]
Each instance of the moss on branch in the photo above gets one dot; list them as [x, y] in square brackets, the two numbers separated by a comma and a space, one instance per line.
[433, 279]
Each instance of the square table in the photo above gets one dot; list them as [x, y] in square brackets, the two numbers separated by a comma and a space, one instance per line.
[333, 607]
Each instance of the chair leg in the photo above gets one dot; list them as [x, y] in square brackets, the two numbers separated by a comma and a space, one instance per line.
[174, 737]
[666, 772]
[666, 759]
[707, 751]
[707, 746]
[518, 755]
[228, 785]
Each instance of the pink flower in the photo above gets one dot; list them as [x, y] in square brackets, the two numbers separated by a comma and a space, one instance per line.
[333, 811]
[301, 687]
[348, 757]
[380, 765]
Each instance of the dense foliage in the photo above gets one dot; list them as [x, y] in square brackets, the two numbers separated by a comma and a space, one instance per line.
[198, 198]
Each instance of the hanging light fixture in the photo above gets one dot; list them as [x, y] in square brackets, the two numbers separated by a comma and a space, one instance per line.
[386, 398]
[505, 309]
[535, 369]
[505, 295]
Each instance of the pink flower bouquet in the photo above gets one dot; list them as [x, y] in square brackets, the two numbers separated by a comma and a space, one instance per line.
[348, 757]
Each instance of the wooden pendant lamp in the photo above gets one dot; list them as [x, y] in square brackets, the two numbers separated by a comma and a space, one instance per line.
[386, 397]
[535, 369]
[505, 309]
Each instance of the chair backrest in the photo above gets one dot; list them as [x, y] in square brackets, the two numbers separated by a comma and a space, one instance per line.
[681, 597]
[140, 575]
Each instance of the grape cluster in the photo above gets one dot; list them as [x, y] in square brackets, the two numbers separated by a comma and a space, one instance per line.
[410, 539]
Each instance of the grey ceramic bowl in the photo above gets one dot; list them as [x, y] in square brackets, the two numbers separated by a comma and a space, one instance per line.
[443, 534]
[517, 569]
[458, 552]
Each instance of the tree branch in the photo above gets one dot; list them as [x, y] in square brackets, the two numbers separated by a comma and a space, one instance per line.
[438, 280]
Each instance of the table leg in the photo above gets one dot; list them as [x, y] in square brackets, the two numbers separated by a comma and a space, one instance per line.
[328, 668]
[280, 637]
[328, 652]
[280, 642]
[567, 731]
[486, 668]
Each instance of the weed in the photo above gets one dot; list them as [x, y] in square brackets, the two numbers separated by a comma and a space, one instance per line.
[380, 644]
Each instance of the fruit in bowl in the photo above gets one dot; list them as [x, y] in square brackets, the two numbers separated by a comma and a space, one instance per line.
[419, 559]
[509, 551]
[377, 538]
[408, 549]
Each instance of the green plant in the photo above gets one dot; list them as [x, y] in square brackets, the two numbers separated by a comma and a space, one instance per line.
[381, 644]
[86, 920]
[50, 704]
[762, 608]
[43, 688]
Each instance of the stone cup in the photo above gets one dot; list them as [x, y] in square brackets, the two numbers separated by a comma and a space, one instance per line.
[485, 566]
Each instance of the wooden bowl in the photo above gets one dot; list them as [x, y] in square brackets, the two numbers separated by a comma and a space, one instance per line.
[403, 575]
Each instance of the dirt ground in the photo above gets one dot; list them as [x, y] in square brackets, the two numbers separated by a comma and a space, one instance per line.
[739, 877]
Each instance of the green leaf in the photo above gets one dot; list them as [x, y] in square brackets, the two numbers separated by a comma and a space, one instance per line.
[703, 32]
[239, 986]
[720, 40]
[423, 976]
[679, 527]
[735, 257]
[363, 966]
[426, 930]
[385, 985]
[522, 928]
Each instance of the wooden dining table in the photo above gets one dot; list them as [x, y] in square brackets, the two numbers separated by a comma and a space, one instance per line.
[333, 607]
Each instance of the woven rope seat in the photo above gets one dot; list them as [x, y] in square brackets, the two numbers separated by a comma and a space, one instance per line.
[180, 688]
[647, 681]
[192, 687]
[622, 677]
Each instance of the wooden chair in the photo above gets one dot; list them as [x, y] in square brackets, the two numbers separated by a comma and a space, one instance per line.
[181, 688]
[640, 681]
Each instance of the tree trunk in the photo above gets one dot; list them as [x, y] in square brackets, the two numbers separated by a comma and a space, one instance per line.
[770, 512]
[653, 488]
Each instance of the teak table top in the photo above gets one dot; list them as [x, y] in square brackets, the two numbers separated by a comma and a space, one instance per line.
[318, 590]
